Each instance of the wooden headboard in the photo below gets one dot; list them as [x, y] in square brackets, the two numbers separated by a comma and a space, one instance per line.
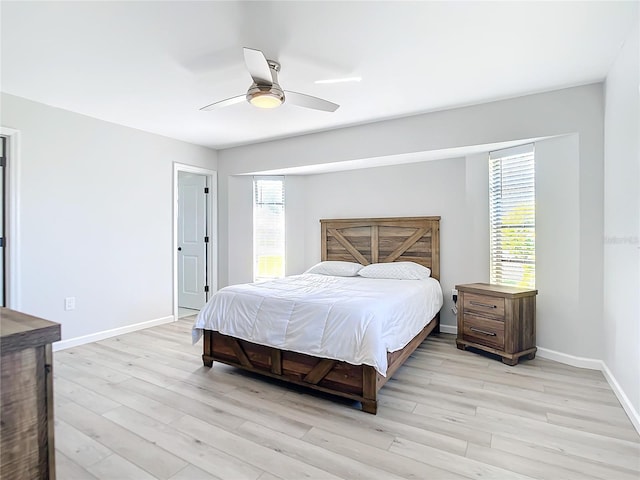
[373, 240]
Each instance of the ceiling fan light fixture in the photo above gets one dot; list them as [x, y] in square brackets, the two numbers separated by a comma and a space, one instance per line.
[265, 97]
[265, 92]
[265, 100]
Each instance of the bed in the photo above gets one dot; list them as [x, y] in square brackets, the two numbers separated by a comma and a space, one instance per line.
[364, 241]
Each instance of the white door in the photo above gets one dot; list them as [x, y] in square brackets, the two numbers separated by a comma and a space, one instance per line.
[192, 249]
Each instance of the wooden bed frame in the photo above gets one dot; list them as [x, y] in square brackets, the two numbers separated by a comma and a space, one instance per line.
[365, 240]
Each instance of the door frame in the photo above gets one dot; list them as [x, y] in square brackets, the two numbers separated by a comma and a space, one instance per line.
[212, 226]
[12, 220]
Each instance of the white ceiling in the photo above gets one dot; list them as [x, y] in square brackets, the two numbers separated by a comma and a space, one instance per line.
[152, 64]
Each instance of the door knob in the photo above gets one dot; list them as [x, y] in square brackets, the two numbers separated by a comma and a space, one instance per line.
[179, 249]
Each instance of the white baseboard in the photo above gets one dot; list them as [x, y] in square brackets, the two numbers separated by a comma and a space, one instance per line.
[580, 362]
[449, 329]
[593, 364]
[94, 337]
[632, 413]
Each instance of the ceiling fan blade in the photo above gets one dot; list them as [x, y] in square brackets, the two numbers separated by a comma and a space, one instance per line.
[258, 67]
[308, 101]
[225, 103]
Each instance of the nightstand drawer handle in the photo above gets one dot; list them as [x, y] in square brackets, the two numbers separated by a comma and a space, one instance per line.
[479, 304]
[484, 332]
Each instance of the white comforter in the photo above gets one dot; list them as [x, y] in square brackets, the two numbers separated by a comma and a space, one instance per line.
[353, 319]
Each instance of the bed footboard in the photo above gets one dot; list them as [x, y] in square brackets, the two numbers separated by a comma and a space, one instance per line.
[356, 382]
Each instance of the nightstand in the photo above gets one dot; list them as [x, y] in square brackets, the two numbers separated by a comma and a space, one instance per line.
[497, 319]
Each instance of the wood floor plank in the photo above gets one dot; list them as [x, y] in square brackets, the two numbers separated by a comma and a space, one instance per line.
[542, 453]
[82, 366]
[582, 404]
[398, 423]
[446, 425]
[67, 469]
[146, 455]
[194, 450]
[523, 465]
[268, 476]
[395, 403]
[334, 465]
[422, 394]
[142, 405]
[595, 425]
[414, 374]
[248, 410]
[102, 349]
[116, 467]
[596, 395]
[78, 447]
[184, 404]
[271, 459]
[450, 462]
[479, 397]
[194, 473]
[159, 347]
[466, 376]
[381, 459]
[558, 376]
[84, 396]
[606, 450]
[341, 421]
[300, 413]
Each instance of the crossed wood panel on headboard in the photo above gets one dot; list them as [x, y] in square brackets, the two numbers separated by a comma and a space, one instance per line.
[373, 240]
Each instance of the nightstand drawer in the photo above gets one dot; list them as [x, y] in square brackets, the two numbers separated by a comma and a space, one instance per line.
[485, 304]
[483, 330]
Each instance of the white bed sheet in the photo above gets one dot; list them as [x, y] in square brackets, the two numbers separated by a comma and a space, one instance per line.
[353, 319]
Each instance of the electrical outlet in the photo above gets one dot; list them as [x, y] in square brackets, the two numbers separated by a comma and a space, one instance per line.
[454, 295]
[70, 303]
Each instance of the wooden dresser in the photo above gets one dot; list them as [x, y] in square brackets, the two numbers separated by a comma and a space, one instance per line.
[497, 319]
[26, 391]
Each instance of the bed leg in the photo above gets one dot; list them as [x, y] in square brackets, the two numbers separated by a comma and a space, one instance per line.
[207, 361]
[369, 389]
[436, 328]
[207, 354]
[370, 406]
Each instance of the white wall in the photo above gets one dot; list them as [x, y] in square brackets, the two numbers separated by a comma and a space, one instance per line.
[572, 177]
[622, 221]
[95, 217]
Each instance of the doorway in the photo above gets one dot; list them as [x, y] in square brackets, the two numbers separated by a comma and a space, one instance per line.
[11, 220]
[3, 201]
[195, 238]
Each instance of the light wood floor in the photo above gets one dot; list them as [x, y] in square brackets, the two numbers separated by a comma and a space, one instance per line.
[142, 406]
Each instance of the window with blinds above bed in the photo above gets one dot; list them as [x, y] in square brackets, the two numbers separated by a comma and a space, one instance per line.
[268, 228]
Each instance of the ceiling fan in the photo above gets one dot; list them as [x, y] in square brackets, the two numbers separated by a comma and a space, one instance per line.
[265, 92]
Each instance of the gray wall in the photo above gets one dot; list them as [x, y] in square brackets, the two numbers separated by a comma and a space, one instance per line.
[95, 217]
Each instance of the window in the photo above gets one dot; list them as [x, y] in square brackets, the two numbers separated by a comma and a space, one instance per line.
[268, 227]
[512, 216]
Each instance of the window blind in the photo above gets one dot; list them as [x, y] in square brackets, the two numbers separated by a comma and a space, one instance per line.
[268, 227]
[512, 216]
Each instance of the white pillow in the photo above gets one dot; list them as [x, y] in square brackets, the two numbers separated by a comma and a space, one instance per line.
[397, 270]
[336, 268]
